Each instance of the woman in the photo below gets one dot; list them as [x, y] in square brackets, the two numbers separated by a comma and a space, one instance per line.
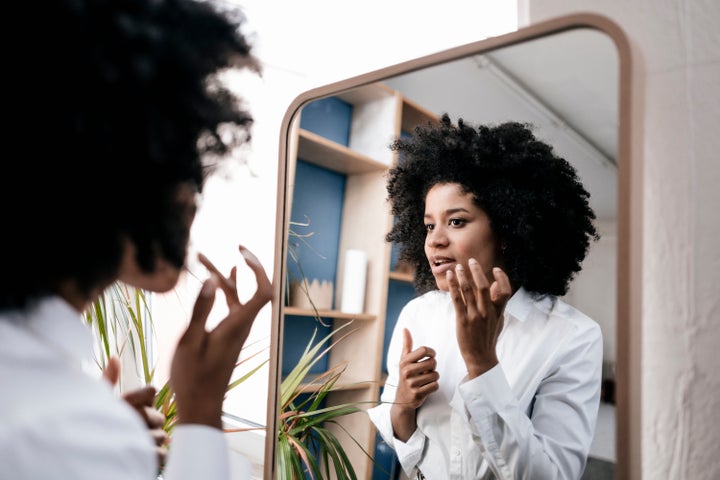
[491, 375]
[114, 148]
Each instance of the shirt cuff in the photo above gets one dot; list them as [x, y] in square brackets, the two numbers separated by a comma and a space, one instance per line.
[197, 451]
[410, 452]
[487, 391]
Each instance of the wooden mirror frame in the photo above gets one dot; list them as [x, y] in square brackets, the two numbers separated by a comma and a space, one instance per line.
[629, 223]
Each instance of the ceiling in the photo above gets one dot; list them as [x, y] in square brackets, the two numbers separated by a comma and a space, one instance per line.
[565, 84]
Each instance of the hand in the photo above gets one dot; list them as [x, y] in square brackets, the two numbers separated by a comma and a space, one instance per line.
[142, 400]
[418, 379]
[479, 309]
[204, 360]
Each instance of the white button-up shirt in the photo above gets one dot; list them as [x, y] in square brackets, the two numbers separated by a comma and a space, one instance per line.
[530, 417]
[59, 422]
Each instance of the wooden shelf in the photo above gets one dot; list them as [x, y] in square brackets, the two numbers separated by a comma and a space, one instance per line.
[401, 277]
[335, 314]
[343, 385]
[331, 155]
[379, 114]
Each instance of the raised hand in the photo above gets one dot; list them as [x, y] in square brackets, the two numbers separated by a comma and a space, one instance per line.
[418, 378]
[204, 360]
[479, 308]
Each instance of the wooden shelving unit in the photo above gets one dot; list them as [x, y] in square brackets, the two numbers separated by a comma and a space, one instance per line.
[379, 115]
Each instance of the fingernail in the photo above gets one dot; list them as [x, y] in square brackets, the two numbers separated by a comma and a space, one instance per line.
[458, 267]
[209, 287]
[472, 261]
[449, 274]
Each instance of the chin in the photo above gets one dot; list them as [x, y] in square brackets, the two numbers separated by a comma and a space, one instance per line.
[442, 284]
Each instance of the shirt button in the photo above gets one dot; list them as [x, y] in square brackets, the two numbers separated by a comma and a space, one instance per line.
[456, 452]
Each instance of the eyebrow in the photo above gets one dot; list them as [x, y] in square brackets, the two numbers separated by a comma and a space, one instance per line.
[450, 211]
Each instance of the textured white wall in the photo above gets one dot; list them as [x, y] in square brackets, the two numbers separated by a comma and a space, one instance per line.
[680, 45]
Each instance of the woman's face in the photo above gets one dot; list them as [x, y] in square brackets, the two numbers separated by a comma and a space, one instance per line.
[457, 230]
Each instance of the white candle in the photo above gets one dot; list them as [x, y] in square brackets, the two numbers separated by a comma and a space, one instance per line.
[354, 278]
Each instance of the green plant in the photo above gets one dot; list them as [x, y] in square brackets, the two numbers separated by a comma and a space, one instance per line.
[305, 444]
[120, 319]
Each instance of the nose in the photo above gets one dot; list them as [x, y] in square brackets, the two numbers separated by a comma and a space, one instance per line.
[437, 237]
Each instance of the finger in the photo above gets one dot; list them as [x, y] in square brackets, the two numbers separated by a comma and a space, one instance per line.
[264, 292]
[453, 285]
[141, 396]
[500, 291]
[456, 296]
[420, 354]
[407, 342]
[195, 331]
[481, 284]
[111, 372]
[467, 287]
[154, 418]
[160, 437]
[227, 284]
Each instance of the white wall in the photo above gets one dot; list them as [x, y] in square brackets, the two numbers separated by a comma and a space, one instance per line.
[680, 46]
[594, 291]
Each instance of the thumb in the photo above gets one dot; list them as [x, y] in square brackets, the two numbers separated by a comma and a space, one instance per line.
[111, 372]
[407, 342]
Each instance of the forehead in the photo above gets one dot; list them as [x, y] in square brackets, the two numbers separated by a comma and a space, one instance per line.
[448, 192]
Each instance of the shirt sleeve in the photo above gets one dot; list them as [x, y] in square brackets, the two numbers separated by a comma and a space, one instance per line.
[535, 444]
[409, 453]
[197, 451]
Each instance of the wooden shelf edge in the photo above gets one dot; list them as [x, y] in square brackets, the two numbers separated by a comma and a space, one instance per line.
[335, 314]
[325, 153]
[309, 387]
[401, 277]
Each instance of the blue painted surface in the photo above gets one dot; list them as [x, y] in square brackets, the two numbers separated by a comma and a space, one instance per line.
[399, 294]
[317, 201]
[297, 333]
[329, 118]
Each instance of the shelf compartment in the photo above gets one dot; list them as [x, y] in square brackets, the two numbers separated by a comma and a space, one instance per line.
[331, 155]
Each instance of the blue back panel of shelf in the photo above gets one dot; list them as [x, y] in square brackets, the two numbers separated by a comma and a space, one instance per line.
[328, 117]
[317, 201]
[399, 294]
[297, 333]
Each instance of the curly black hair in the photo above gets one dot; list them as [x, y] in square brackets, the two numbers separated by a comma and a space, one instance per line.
[121, 103]
[537, 206]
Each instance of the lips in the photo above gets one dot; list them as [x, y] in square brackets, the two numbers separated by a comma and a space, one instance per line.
[440, 265]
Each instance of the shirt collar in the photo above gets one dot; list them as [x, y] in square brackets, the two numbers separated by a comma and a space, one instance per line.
[522, 302]
[61, 327]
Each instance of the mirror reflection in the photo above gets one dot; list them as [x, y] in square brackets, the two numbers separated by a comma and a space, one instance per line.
[345, 285]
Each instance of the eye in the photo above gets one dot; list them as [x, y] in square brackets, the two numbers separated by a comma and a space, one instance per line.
[429, 226]
[457, 222]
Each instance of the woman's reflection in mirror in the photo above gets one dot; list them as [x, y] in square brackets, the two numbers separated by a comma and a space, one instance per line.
[490, 374]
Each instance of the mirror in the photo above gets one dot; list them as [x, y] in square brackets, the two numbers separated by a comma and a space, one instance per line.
[569, 77]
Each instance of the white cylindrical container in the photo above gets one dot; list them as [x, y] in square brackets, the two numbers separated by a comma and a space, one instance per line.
[354, 278]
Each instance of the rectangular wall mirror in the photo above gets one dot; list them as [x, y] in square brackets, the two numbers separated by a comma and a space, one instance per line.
[335, 273]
